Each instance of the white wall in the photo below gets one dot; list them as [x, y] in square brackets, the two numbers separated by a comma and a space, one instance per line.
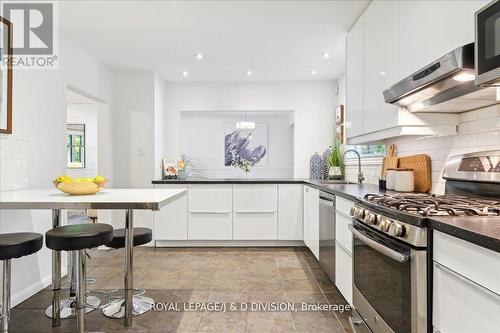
[39, 128]
[85, 114]
[313, 103]
[202, 141]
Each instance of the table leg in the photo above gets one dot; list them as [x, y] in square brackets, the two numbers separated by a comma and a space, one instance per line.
[56, 275]
[129, 265]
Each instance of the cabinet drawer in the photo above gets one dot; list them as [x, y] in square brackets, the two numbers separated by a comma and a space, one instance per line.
[343, 272]
[343, 205]
[210, 198]
[472, 261]
[461, 305]
[171, 221]
[342, 233]
[250, 226]
[210, 226]
[255, 198]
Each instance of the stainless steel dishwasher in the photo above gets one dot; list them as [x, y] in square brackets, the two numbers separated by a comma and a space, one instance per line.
[327, 233]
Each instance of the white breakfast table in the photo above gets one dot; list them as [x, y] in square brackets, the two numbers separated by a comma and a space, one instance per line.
[126, 199]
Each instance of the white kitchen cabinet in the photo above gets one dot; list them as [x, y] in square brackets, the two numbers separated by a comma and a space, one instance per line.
[342, 232]
[454, 24]
[466, 286]
[354, 80]
[255, 226]
[170, 222]
[210, 226]
[343, 272]
[415, 44]
[380, 63]
[290, 208]
[210, 212]
[311, 219]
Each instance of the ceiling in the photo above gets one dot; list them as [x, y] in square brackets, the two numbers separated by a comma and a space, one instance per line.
[275, 40]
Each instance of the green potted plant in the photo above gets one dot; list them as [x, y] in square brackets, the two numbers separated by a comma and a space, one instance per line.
[336, 161]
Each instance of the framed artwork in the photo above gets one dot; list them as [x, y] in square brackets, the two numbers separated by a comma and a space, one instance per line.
[339, 115]
[339, 133]
[5, 76]
[245, 145]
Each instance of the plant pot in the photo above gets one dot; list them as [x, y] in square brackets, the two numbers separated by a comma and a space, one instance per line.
[335, 173]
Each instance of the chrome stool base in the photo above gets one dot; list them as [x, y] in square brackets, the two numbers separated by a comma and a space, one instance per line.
[116, 308]
[68, 307]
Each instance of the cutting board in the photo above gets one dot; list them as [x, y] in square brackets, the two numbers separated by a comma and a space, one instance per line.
[390, 161]
[421, 165]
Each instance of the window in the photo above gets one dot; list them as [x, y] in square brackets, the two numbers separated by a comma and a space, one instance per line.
[368, 150]
[75, 143]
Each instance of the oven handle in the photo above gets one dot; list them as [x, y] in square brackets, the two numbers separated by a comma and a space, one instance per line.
[379, 247]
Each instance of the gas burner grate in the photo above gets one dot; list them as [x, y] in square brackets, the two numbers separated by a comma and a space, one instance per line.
[436, 205]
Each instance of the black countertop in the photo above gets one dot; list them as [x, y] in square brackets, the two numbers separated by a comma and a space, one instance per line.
[483, 231]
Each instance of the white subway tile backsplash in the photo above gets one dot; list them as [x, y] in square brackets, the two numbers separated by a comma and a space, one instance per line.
[467, 116]
[493, 124]
[487, 139]
[476, 126]
[489, 112]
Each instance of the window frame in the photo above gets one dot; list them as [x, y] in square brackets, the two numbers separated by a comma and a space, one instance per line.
[70, 146]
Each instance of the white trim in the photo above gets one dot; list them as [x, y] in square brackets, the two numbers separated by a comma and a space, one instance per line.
[227, 243]
[377, 136]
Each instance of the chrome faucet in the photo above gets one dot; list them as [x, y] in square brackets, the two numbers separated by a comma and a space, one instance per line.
[361, 178]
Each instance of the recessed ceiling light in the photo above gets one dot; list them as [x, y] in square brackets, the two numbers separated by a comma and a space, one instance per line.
[199, 56]
[249, 73]
[185, 73]
[314, 72]
[326, 55]
[382, 73]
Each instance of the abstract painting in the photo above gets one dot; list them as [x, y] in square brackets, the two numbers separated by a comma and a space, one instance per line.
[244, 148]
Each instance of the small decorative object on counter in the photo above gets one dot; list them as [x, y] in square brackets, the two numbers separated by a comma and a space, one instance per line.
[182, 172]
[169, 168]
[389, 178]
[315, 167]
[336, 162]
[326, 163]
[404, 180]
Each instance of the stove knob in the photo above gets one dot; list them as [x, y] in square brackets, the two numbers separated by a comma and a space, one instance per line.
[353, 211]
[385, 224]
[360, 213]
[397, 230]
[370, 218]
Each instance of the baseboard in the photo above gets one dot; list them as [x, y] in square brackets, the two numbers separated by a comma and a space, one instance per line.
[31, 290]
[228, 243]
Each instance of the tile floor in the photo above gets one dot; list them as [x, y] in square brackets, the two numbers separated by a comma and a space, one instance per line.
[186, 276]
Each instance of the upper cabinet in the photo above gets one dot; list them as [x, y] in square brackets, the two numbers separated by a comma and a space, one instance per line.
[391, 40]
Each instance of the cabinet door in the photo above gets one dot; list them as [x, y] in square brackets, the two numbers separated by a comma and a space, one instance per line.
[210, 226]
[454, 22]
[461, 305]
[305, 227]
[343, 272]
[255, 198]
[313, 220]
[354, 80]
[210, 198]
[171, 221]
[380, 63]
[255, 226]
[344, 235]
[290, 208]
[415, 47]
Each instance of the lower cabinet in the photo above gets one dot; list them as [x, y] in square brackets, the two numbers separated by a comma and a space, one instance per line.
[255, 226]
[466, 286]
[311, 219]
[343, 272]
[290, 216]
[171, 221]
[210, 226]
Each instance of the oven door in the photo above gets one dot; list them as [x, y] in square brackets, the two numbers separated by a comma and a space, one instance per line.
[488, 45]
[385, 280]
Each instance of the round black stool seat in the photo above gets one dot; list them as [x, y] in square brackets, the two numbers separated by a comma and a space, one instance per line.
[78, 236]
[141, 236]
[19, 244]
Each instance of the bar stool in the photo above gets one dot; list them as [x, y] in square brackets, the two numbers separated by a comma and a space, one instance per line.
[77, 238]
[14, 245]
[141, 304]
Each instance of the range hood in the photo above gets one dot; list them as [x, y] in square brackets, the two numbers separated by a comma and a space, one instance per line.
[444, 86]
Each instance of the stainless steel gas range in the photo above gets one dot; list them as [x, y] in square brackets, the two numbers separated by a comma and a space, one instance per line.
[391, 242]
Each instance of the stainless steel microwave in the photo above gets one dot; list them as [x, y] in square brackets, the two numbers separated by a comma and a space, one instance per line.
[487, 46]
